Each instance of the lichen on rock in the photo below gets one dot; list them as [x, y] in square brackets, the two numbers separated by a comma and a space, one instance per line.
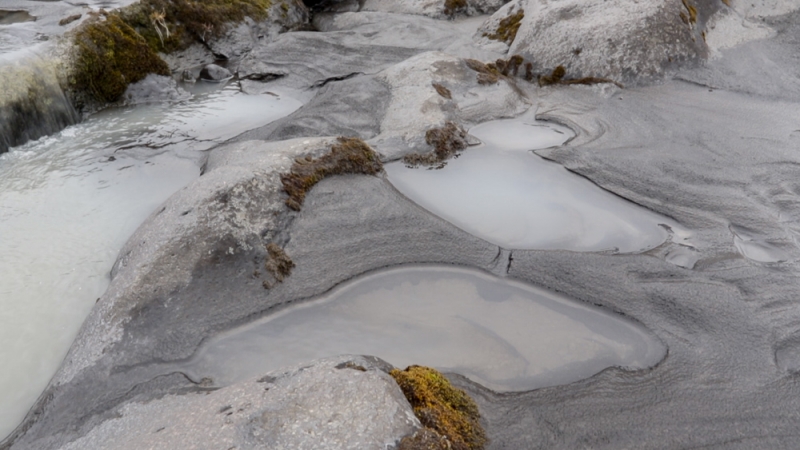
[447, 413]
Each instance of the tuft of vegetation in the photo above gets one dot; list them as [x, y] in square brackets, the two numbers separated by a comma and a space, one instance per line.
[507, 28]
[446, 141]
[487, 73]
[558, 74]
[278, 263]
[348, 156]
[554, 78]
[691, 19]
[447, 412]
[170, 25]
[451, 7]
[443, 91]
[109, 56]
[529, 72]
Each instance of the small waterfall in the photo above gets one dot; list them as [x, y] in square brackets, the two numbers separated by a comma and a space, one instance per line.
[32, 103]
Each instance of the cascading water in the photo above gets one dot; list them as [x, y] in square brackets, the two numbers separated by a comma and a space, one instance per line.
[69, 202]
[32, 103]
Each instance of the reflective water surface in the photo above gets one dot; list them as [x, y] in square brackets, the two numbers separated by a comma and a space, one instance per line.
[504, 193]
[503, 334]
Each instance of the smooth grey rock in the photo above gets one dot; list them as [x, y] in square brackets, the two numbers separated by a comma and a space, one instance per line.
[213, 72]
[345, 402]
[352, 107]
[204, 251]
[351, 45]
[282, 16]
[416, 106]
[154, 89]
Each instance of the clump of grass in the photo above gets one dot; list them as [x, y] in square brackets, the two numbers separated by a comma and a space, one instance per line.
[451, 7]
[278, 263]
[507, 28]
[347, 156]
[109, 56]
[446, 142]
[443, 91]
[447, 412]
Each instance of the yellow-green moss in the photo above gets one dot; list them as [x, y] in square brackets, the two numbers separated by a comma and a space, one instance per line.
[507, 28]
[348, 155]
[109, 56]
[446, 141]
[440, 407]
[189, 21]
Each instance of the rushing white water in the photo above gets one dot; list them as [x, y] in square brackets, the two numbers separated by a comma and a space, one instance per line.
[503, 334]
[70, 201]
[504, 193]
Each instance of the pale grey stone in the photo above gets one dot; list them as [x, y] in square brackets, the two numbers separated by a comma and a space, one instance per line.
[345, 402]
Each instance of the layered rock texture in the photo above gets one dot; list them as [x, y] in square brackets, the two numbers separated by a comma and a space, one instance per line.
[705, 132]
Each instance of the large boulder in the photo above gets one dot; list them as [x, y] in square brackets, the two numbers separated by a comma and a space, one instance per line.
[336, 403]
[625, 40]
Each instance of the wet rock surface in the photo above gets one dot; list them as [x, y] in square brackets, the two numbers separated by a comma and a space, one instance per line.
[715, 150]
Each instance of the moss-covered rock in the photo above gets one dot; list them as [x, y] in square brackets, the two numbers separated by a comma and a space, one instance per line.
[347, 156]
[442, 408]
[446, 141]
[110, 55]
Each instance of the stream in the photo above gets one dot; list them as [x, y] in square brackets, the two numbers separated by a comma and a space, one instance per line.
[69, 202]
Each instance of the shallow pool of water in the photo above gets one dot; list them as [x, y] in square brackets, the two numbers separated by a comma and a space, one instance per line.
[506, 335]
[69, 202]
[504, 193]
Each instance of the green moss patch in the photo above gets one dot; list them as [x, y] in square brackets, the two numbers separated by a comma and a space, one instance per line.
[446, 141]
[447, 412]
[109, 56]
[507, 28]
[347, 156]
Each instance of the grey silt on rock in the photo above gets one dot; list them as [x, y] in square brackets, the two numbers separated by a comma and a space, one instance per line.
[714, 161]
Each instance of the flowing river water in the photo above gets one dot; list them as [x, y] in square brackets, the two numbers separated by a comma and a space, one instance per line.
[68, 203]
